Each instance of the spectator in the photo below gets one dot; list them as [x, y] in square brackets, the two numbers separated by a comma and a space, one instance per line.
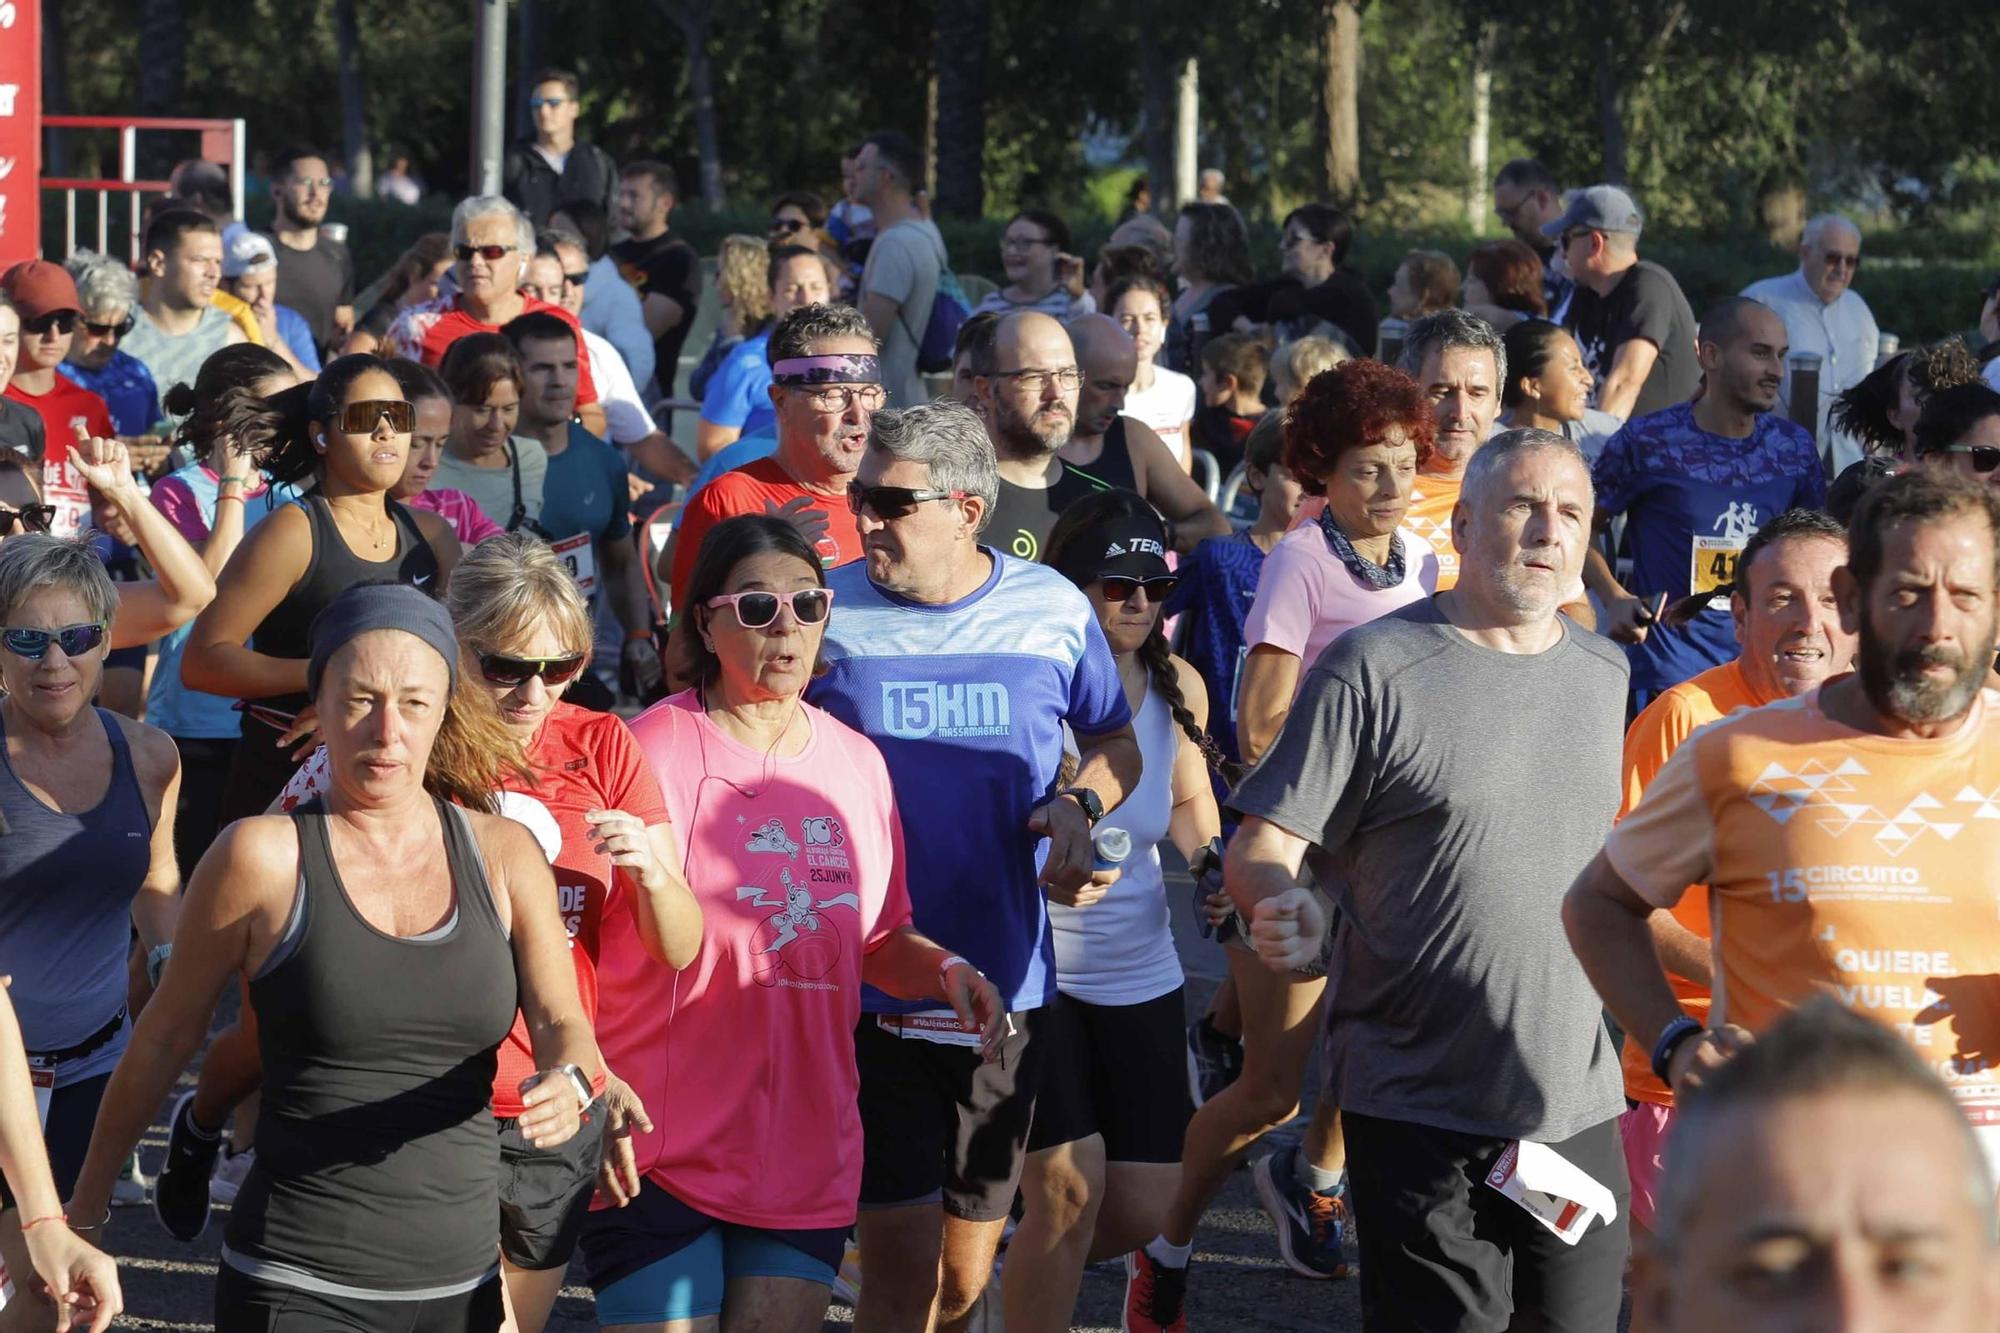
[1989, 331]
[738, 402]
[1041, 272]
[905, 262]
[1631, 322]
[974, 344]
[1960, 428]
[1548, 389]
[250, 274]
[743, 301]
[1425, 283]
[45, 297]
[611, 308]
[177, 327]
[1826, 317]
[22, 439]
[110, 299]
[1233, 369]
[315, 272]
[1028, 381]
[554, 165]
[1116, 263]
[414, 280]
[1149, 234]
[1694, 483]
[398, 184]
[850, 222]
[1316, 294]
[1161, 398]
[1139, 198]
[1882, 411]
[663, 268]
[431, 398]
[798, 217]
[203, 186]
[1294, 364]
[1211, 258]
[1461, 364]
[1208, 187]
[1527, 198]
[1503, 284]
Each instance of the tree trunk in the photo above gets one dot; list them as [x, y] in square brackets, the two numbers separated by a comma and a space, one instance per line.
[353, 104]
[1156, 91]
[534, 22]
[1478, 139]
[1187, 124]
[1610, 120]
[1342, 97]
[692, 17]
[162, 76]
[958, 55]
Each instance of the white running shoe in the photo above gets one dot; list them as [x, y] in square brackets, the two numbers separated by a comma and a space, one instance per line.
[230, 1170]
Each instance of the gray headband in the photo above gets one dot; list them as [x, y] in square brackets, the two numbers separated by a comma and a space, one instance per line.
[373, 606]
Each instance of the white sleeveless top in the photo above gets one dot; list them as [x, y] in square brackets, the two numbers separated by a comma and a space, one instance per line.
[1120, 949]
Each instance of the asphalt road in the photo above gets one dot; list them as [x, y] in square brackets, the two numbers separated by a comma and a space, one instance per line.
[1237, 1281]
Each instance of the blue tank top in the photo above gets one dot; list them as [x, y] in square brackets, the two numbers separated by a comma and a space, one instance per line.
[66, 887]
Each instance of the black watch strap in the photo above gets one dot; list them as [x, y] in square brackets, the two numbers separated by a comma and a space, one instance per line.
[1091, 804]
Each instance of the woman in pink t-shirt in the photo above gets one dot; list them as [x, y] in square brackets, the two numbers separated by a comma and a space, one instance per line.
[793, 847]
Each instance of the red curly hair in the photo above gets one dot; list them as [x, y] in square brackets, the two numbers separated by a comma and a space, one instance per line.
[1351, 407]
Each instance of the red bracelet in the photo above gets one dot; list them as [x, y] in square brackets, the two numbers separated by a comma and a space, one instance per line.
[26, 1227]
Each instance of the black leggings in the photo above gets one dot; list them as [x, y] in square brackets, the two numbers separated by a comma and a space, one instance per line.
[244, 1304]
[72, 1115]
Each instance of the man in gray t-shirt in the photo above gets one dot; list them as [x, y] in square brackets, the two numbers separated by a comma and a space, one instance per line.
[900, 280]
[1444, 772]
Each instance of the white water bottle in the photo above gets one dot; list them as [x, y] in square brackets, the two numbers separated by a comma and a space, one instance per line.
[1113, 845]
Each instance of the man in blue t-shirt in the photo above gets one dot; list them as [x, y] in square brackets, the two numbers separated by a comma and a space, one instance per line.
[964, 666]
[1694, 483]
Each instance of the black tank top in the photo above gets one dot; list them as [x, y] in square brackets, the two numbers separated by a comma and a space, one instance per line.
[376, 1168]
[1113, 464]
[1022, 517]
[330, 570]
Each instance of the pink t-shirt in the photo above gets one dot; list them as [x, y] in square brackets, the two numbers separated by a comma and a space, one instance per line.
[745, 1058]
[1306, 598]
[460, 510]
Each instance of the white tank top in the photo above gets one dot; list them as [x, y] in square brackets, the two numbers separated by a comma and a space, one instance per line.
[1120, 949]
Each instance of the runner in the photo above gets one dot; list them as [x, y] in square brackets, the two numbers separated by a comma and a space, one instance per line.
[962, 665]
[1104, 1153]
[795, 850]
[1462, 365]
[385, 934]
[431, 398]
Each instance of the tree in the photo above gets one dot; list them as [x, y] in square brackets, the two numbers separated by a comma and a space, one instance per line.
[693, 18]
[353, 108]
[1342, 94]
[958, 55]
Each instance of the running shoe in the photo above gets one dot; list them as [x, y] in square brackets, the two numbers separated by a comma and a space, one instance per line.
[230, 1173]
[847, 1282]
[129, 1190]
[1213, 1061]
[180, 1193]
[1311, 1225]
[1155, 1296]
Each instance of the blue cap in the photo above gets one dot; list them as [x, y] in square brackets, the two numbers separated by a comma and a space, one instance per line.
[1600, 208]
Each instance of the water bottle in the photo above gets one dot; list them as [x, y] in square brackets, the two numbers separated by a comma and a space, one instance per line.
[1113, 845]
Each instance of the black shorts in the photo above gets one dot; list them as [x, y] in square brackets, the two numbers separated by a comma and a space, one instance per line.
[1119, 1070]
[619, 1243]
[1441, 1250]
[544, 1195]
[938, 1125]
[244, 1304]
[72, 1116]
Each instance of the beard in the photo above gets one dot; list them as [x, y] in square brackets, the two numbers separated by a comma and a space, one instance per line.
[1036, 435]
[1895, 686]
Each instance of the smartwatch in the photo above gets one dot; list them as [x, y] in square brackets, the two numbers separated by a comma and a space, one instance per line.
[1670, 1039]
[1093, 805]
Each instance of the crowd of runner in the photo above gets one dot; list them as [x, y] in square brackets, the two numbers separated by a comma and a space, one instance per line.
[729, 855]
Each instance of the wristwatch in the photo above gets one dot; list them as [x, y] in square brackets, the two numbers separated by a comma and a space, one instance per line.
[1092, 803]
[578, 1081]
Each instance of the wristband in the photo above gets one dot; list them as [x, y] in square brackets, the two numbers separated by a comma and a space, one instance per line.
[945, 967]
[1670, 1040]
[638, 635]
[156, 962]
[26, 1227]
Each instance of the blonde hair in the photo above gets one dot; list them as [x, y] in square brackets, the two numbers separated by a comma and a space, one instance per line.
[507, 586]
[475, 751]
[1296, 362]
[742, 274]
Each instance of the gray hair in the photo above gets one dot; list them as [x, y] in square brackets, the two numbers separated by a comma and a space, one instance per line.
[1452, 328]
[1497, 452]
[102, 283]
[949, 438]
[33, 561]
[1819, 1048]
[480, 206]
[799, 330]
[1825, 222]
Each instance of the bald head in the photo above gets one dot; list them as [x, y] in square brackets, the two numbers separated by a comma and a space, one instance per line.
[1738, 317]
[1028, 390]
[1109, 360]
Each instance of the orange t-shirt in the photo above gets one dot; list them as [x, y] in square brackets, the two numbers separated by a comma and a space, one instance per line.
[1430, 515]
[1843, 863]
[1654, 736]
[750, 490]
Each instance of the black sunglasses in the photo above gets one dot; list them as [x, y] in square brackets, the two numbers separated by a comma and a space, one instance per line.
[577, 279]
[33, 644]
[893, 501]
[1119, 587]
[32, 518]
[492, 254]
[359, 417]
[62, 321]
[118, 330]
[1985, 457]
[788, 224]
[501, 669]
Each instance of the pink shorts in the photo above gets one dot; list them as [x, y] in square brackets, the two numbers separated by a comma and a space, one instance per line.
[1644, 1130]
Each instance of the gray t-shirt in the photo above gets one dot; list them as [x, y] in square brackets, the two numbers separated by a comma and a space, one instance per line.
[1452, 792]
[176, 359]
[492, 488]
[903, 265]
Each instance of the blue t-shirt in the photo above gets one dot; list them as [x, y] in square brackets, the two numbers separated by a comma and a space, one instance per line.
[1691, 502]
[126, 387]
[740, 453]
[298, 336]
[739, 394]
[585, 490]
[1218, 584]
[967, 703]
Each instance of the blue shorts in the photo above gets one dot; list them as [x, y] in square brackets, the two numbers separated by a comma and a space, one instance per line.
[658, 1261]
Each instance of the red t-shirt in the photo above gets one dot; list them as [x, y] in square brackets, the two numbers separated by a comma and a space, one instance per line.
[750, 490]
[66, 409]
[425, 332]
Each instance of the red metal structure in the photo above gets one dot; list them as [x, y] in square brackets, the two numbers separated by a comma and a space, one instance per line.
[221, 143]
[20, 130]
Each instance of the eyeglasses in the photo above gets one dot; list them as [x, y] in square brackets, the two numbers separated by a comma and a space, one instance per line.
[754, 610]
[1119, 587]
[890, 502]
[1038, 381]
[537, 103]
[839, 397]
[360, 418]
[577, 279]
[788, 225]
[500, 669]
[1573, 233]
[492, 254]
[313, 182]
[1985, 457]
[118, 330]
[1024, 242]
[33, 644]
[32, 518]
[62, 321]
[1842, 261]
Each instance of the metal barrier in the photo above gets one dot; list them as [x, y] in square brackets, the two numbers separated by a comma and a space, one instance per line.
[1207, 472]
[222, 142]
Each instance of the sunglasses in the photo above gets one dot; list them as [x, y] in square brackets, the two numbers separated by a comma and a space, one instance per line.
[118, 330]
[501, 669]
[492, 254]
[360, 417]
[1119, 587]
[537, 103]
[787, 225]
[893, 501]
[1985, 457]
[754, 610]
[577, 279]
[32, 518]
[33, 644]
[62, 321]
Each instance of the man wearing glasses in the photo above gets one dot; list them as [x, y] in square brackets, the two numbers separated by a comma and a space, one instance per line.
[1825, 316]
[1631, 322]
[315, 272]
[1028, 382]
[541, 172]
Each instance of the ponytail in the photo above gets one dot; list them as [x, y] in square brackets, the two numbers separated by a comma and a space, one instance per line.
[1165, 678]
[280, 433]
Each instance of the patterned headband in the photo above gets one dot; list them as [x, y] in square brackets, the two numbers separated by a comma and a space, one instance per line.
[844, 368]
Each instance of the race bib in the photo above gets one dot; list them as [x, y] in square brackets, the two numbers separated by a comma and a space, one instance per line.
[1712, 563]
[933, 1025]
[44, 1079]
[580, 558]
[1553, 1190]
